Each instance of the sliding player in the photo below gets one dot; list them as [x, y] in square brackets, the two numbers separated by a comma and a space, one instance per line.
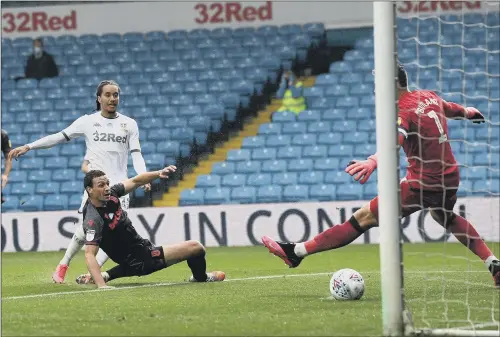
[107, 225]
[109, 137]
[431, 182]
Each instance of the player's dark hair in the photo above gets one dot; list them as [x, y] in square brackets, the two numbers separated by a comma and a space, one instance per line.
[402, 76]
[98, 91]
[38, 40]
[89, 177]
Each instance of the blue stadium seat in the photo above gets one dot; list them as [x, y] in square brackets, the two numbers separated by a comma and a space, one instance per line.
[56, 202]
[253, 142]
[39, 175]
[269, 193]
[264, 154]
[184, 135]
[311, 178]
[192, 197]
[208, 180]
[22, 188]
[295, 193]
[11, 203]
[326, 164]
[31, 163]
[223, 168]
[323, 192]
[238, 155]
[285, 178]
[273, 166]
[269, 129]
[304, 139]
[342, 151]
[247, 167]
[154, 161]
[349, 191]
[217, 195]
[31, 203]
[314, 151]
[294, 128]
[71, 187]
[337, 177]
[48, 187]
[283, 117]
[243, 194]
[18, 176]
[168, 148]
[300, 165]
[65, 174]
[289, 152]
[233, 180]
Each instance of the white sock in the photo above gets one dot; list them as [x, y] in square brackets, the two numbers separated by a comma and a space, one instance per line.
[105, 276]
[74, 246]
[300, 249]
[101, 257]
[488, 261]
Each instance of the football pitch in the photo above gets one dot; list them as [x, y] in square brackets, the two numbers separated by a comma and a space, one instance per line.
[261, 295]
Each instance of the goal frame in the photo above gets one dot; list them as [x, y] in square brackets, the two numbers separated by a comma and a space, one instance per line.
[396, 320]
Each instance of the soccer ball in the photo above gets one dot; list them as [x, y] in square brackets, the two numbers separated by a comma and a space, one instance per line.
[347, 284]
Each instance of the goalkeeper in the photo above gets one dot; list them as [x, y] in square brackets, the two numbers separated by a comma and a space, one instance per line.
[431, 182]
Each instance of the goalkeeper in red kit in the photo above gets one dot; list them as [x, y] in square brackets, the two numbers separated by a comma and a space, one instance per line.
[431, 182]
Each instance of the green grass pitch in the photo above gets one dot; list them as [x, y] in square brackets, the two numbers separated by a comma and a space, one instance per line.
[262, 296]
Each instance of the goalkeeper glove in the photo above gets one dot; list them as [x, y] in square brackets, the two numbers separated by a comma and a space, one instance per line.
[363, 168]
[474, 115]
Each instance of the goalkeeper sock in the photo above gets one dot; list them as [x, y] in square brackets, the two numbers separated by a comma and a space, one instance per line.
[465, 232]
[198, 266]
[335, 237]
[101, 257]
[489, 260]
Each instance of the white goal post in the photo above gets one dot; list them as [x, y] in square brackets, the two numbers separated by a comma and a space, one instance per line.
[396, 315]
[388, 168]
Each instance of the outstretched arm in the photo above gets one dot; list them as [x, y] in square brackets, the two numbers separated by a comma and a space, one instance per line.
[146, 177]
[457, 111]
[43, 143]
[139, 166]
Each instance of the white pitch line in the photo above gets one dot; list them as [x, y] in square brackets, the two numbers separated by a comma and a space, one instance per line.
[167, 284]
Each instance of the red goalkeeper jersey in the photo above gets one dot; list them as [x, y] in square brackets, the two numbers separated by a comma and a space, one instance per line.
[422, 121]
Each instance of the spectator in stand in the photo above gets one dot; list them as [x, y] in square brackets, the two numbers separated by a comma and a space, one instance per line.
[40, 64]
[291, 91]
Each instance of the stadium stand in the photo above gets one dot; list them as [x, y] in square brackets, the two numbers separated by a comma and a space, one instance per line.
[192, 82]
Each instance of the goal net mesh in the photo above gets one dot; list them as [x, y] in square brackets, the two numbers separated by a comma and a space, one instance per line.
[456, 53]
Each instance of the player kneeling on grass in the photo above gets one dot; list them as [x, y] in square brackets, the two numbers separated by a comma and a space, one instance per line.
[107, 225]
[431, 182]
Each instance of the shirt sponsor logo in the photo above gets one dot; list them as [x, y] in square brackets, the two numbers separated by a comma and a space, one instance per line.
[90, 235]
[108, 137]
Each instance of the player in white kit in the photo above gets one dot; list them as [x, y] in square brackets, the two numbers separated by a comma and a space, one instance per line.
[109, 137]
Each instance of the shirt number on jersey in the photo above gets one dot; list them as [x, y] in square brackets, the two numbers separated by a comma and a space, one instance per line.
[443, 136]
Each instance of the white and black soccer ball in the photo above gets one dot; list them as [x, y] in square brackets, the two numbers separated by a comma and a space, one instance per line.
[347, 284]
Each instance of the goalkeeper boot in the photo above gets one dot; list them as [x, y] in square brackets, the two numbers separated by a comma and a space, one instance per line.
[60, 273]
[283, 250]
[495, 272]
[215, 276]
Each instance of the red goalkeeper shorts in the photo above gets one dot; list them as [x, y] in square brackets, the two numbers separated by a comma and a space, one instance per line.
[413, 200]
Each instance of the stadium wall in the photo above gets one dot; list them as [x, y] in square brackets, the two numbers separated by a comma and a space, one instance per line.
[238, 225]
[78, 19]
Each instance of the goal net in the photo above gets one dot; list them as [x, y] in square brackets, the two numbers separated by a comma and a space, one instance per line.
[453, 48]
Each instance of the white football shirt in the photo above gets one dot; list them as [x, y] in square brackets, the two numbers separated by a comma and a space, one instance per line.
[108, 140]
